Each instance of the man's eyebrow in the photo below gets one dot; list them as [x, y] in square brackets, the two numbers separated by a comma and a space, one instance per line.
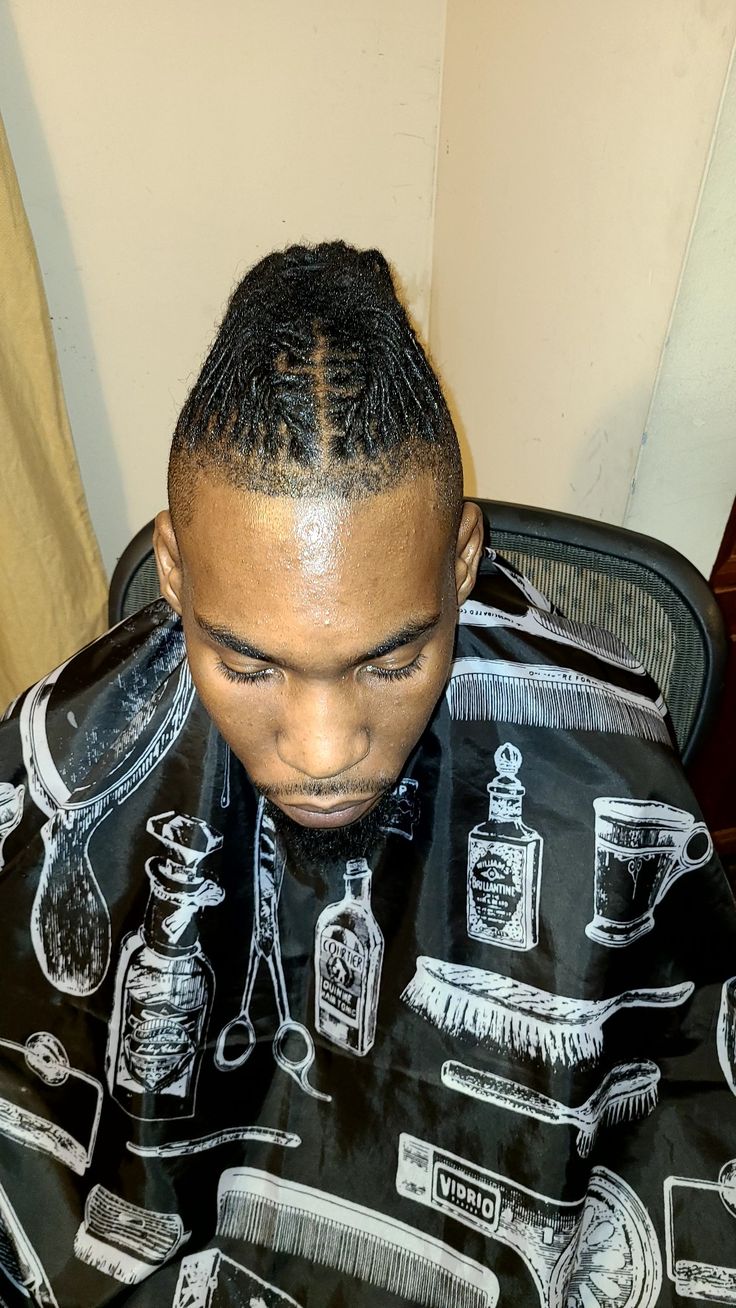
[224, 636]
[406, 635]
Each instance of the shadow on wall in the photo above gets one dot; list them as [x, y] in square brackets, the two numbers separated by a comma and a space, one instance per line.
[601, 475]
[408, 295]
[470, 478]
[88, 415]
[599, 469]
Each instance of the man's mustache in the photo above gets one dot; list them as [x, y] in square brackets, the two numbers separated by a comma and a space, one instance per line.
[327, 788]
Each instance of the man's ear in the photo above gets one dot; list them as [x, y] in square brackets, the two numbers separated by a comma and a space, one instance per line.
[168, 560]
[469, 549]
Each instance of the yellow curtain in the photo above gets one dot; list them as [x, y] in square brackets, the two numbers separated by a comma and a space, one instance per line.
[52, 585]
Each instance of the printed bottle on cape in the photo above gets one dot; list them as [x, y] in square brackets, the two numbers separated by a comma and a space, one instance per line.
[348, 959]
[164, 984]
[504, 864]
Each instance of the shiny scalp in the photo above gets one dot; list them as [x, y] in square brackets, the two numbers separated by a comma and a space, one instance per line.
[316, 384]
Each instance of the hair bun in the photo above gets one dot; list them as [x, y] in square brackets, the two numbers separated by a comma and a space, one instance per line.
[359, 275]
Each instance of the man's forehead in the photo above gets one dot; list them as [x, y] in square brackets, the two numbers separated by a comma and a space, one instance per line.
[317, 535]
[279, 573]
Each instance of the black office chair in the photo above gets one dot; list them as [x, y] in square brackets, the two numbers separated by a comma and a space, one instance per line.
[637, 587]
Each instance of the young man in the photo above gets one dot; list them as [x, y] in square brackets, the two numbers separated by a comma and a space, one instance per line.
[290, 1016]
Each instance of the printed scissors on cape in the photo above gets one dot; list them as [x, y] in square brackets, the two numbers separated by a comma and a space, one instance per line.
[268, 871]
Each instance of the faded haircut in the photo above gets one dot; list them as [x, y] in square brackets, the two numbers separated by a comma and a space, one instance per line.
[316, 384]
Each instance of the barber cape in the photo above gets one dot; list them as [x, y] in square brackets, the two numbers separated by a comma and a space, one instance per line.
[490, 1060]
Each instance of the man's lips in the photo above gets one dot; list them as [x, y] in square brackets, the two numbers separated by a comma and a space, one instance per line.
[336, 815]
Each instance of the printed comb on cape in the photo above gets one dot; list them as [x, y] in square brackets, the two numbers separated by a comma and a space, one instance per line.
[487, 689]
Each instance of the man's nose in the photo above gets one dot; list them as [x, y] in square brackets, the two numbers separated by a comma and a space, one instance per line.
[324, 735]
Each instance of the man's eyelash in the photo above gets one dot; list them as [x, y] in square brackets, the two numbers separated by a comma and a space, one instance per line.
[398, 674]
[383, 674]
[249, 678]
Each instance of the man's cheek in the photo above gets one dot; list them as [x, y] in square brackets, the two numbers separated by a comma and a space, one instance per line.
[233, 716]
[237, 722]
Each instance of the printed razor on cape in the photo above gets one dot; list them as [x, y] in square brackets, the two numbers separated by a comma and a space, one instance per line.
[700, 1227]
[71, 1100]
[600, 1251]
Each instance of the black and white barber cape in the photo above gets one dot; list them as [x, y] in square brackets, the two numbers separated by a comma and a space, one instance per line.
[491, 1059]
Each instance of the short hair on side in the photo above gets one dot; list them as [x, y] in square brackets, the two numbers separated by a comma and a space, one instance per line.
[316, 384]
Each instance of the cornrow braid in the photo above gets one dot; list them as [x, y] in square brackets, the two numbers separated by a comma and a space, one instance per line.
[316, 383]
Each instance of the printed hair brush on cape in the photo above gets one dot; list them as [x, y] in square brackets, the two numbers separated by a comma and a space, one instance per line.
[488, 1009]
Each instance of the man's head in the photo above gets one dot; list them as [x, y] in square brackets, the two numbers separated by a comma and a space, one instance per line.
[317, 545]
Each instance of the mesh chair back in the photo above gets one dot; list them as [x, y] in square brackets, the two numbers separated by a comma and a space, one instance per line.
[637, 587]
[134, 582]
[143, 586]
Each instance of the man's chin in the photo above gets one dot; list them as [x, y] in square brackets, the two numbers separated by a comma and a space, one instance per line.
[322, 819]
[349, 835]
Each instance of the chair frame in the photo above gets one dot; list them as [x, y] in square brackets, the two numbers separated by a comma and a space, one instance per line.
[659, 558]
[568, 529]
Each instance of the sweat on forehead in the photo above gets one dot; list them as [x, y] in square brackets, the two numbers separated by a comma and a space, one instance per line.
[314, 582]
[316, 384]
[314, 535]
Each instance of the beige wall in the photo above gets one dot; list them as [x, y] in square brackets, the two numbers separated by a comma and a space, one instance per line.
[163, 147]
[573, 140]
[686, 474]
